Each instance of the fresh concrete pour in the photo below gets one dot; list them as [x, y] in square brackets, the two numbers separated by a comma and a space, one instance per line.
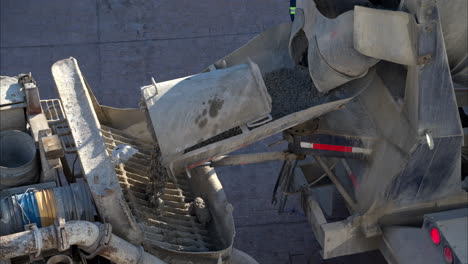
[291, 90]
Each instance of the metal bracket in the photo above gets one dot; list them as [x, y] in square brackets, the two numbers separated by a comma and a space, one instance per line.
[37, 237]
[105, 234]
[372, 230]
[32, 94]
[61, 235]
[424, 59]
[260, 121]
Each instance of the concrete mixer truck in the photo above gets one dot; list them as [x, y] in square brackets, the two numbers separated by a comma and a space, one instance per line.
[370, 96]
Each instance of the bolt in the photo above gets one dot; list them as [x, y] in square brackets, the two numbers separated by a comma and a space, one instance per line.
[430, 141]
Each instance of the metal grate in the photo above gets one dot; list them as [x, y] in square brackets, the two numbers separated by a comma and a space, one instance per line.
[171, 226]
[52, 109]
[55, 116]
[65, 135]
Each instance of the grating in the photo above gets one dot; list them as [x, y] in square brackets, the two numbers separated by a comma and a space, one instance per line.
[55, 116]
[170, 226]
[64, 133]
[52, 109]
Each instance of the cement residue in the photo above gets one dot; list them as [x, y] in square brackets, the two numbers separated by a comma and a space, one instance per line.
[159, 176]
[291, 90]
[199, 209]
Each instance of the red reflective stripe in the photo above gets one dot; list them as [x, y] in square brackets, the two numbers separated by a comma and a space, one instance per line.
[332, 147]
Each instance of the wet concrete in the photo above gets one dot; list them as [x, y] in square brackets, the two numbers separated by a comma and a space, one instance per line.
[291, 90]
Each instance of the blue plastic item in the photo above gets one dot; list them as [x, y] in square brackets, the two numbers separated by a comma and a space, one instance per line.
[28, 203]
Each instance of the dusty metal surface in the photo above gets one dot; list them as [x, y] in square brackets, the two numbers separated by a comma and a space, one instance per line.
[455, 32]
[119, 250]
[129, 120]
[385, 34]
[167, 225]
[23, 243]
[32, 94]
[252, 158]
[417, 248]
[329, 103]
[204, 105]
[12, 104]
[96, 164]
[453, 230]
[11, 92]
[158, 204]
[90, 237]
[429, 107]
[328, 44]
[84, 126]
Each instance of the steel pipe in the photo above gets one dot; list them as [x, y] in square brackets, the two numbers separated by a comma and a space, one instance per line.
[86, 235]
[24, 243]
[60, 259]
[122, 252]
[253, 158]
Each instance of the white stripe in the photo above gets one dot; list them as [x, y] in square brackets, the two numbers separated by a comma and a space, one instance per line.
[307, 145]
[362, 150]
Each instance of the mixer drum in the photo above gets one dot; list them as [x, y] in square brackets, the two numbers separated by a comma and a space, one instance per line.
[190, 110]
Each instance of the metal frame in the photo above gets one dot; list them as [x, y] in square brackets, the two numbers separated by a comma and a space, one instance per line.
[346, 237]
[337, 238]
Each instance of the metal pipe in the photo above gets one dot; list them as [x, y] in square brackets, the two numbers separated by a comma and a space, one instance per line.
[122, 252]
[60, 259]
[253, 158]
[86, 235]
[18, 163]
[81, 233]
[24, 243]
